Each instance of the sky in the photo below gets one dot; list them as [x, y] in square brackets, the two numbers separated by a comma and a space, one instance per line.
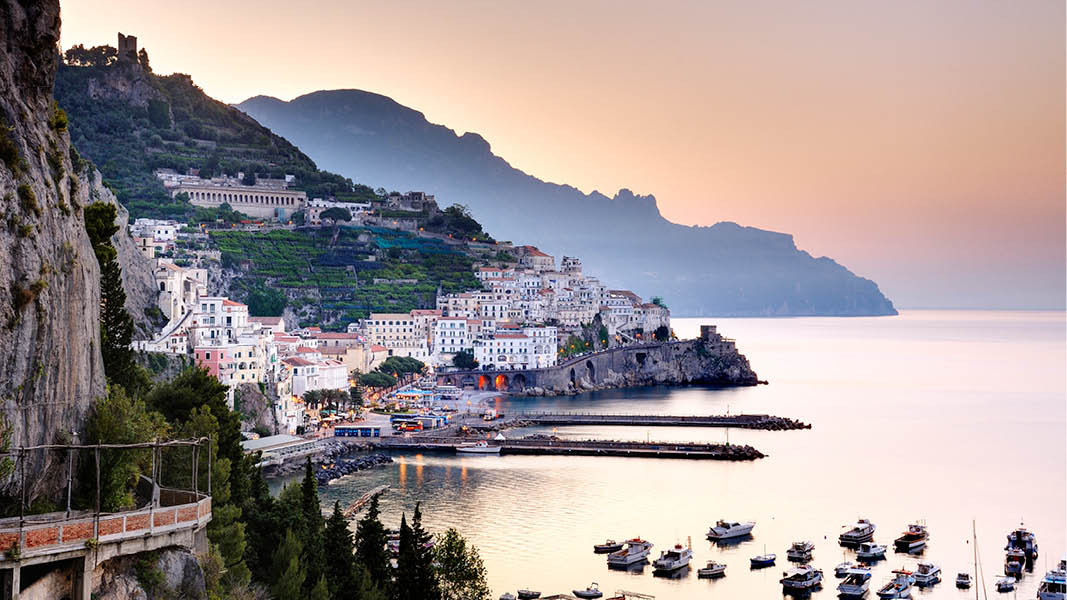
[920, 144]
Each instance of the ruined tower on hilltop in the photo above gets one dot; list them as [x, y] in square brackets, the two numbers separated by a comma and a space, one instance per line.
[127, 48]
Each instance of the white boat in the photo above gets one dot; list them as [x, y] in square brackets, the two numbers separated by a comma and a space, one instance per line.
[636, 551]
[856, 583]
[712, 570]
[507, 596]
[478, 448]
[725, 530]
[800, 551]
[1014, 561]
[529, 594]
[868, 552]
[1005, 583]
[899, 586]
[842, 568]
[801, 579]
[862, 531]
[913, 539]
[593, 591]
[673, 559]
[763, 560]
[1054, 585]
[927, 574]
[963, 581]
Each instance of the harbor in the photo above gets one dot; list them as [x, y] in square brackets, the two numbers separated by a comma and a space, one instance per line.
[545, 446]
[763, 422]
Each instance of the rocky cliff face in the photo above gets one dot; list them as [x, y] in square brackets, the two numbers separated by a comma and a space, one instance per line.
[138, 278]
[50, 365]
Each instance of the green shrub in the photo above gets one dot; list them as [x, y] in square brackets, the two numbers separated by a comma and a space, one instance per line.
[28, 199]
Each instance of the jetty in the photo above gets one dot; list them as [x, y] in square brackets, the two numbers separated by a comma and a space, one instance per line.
[765, 422]
[555, 446]
[363, 500]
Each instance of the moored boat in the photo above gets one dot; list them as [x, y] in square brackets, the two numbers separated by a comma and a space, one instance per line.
[1014, 561]
[593, 591]
[673, 559]
[478, 448]
[899, 586]
[927, 574]
[607, 546]
[1005, 583]
[507, 596]
[842, 568]
[529, 594]
[800, 551]
[1054, 585]
[725, 530]
[712, 570]
[913, 539]
[869, 552]
[963, 581]
[856, 583]
[802, 578]
[1022, 539]
[636, 551]
[862, 531]
[763, 560]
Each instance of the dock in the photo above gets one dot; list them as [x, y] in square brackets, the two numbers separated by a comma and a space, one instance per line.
[363, 500]
[765, 422]
[543, 446]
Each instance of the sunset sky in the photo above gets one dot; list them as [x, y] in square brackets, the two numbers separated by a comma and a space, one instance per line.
[919, 143]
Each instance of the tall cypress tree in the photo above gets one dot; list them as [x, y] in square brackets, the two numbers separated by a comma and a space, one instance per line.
[313, 525]
[370, 546]
[416, 578]
[346, 579]
[290, 574]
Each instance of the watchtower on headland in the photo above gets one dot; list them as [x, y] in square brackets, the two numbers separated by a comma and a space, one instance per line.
[127, 48]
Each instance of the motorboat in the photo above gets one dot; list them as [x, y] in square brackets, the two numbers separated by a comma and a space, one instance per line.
[607, 547]
[842, 568]
[913, 539]
[507, 596]
[636, 551]
[712, 570]
[899, 586]
[927, 574]
[763, 560]
[856, 583]
[1024, 540]
[800, 551]
[1054, 585]
[862, 531]
[963, 581]
[725, 530]
[673, 559]
[528, 594]
[593, 591]
[1014, 561]
[478, 448]
[1005, 583]
[870, 552]
[803, 578]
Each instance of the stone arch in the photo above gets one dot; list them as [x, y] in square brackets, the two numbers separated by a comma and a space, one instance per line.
[501, 382]
[641, 356]
[591, 370]
[518, 382]
[469, 382]
[574, 379]
[483, 382]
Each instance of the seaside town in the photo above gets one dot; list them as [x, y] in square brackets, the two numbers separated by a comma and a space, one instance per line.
[521, 318]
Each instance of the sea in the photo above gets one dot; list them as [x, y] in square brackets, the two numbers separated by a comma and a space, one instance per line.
[954, 419]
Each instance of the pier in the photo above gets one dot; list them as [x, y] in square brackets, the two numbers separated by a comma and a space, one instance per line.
[552, 446]
[765, 422]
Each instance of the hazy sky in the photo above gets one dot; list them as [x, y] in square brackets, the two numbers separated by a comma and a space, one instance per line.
[919, 143]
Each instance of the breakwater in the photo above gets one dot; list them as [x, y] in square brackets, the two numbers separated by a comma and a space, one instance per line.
[764, 422]
[328, 472]
[553, 446]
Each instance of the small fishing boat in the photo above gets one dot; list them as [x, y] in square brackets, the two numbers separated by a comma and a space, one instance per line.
[1024, 540]
[673, 559]
[842, 568]
[725, 530]
[593, 591]
[1005, 583]
[862, 531]
[803, 578]
[607, 547]
[763, 560]
[899, 586]
[478, 448]
[869, 552]
[712, 570]
[1014, 561]
[529, 595]
[963, 581]
[857, 582]
[1054, 585]
[800, 551]
[636, 551]
[507, 596]
[913, 539]
[927, 574]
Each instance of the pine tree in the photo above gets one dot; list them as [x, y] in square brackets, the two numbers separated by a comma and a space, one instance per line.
[313, 525]
[337, 544]
[415, 575]
[320, 591]
[289, 584]
[370, 546]
[263, 527]
[406, 565]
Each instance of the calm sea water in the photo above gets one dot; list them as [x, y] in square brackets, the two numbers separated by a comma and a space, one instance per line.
[942, 416]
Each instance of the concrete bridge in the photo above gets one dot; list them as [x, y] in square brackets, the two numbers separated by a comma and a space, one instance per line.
[592, 367]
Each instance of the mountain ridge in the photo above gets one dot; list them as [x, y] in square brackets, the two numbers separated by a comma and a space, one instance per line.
[725, 269]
